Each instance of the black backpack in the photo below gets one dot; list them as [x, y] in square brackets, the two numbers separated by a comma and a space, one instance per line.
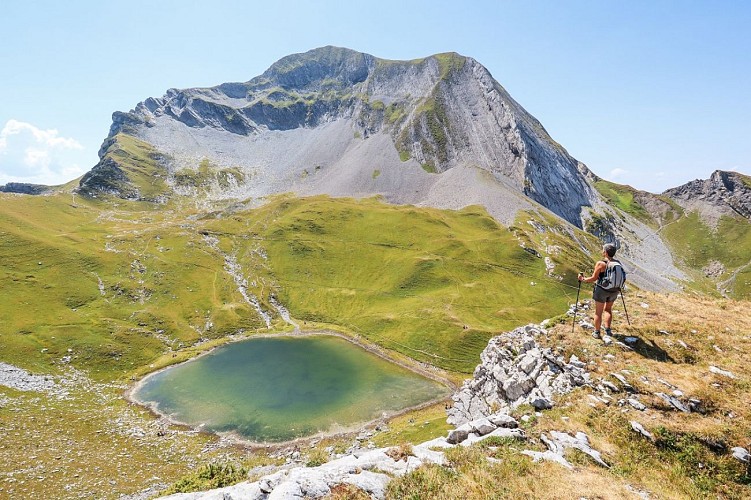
[614, 277]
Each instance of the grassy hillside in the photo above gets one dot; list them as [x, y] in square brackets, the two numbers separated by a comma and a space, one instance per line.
[698, 245]
[114, 289]
[653, 210]
[678, 338]
[430, 284]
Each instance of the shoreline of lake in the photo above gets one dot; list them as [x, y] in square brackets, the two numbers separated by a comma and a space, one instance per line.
[337, 429]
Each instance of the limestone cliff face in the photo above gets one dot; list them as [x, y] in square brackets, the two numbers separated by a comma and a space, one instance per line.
[440, 112]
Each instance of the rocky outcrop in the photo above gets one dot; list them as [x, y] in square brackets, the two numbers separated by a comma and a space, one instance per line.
[368, 470]
[559, 442]
[724, 193]
[516, 370]
[24, 188]
[108, 177]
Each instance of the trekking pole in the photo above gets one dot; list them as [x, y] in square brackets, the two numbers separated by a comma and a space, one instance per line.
[576, 306]
[624, 308]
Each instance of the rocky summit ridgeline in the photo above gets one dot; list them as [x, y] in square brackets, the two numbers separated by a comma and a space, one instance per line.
[325, 120]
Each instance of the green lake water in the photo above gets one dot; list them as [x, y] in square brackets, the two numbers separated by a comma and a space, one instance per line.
[280, 388]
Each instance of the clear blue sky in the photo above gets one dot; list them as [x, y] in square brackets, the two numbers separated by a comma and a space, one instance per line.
[647, 93]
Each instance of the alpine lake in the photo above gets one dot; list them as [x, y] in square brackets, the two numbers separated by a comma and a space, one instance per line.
[276, 389]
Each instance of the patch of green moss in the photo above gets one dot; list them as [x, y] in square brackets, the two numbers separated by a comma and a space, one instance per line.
[394, 113]
[213, 475]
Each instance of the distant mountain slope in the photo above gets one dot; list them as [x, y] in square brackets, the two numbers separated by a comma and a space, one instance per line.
[723, 194]
[713, 238]
[336, 121]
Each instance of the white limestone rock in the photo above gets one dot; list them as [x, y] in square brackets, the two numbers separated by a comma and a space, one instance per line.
[721, 372]
[741, 454]
[637, 427]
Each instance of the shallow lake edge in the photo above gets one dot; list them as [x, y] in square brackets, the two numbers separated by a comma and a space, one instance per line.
[235, 438]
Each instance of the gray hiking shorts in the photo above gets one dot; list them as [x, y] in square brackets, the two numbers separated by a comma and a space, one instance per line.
[602, 295]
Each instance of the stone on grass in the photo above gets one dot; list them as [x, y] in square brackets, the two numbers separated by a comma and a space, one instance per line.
[741, 454]
[482, 426]
[721, 372]
[580, 442]
[549, 456]
[542, 403]
[503, 420]
[672, 401]
[636, 404]
[459, 434]
[620, 378]
[557, 444]
[637, 427]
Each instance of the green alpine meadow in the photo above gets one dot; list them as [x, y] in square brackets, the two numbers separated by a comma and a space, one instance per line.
[353, 277]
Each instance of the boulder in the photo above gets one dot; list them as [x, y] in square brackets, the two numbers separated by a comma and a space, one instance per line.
[503, 420]
[721, 372]
[459, 434]
[542, 403]
[741, 454]
[482, 426]
[637, 427]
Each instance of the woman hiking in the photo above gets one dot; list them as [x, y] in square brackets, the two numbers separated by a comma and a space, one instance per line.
[604, 294]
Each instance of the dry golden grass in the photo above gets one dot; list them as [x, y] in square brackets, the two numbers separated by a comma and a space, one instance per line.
[717, 332]
[690, 457]
[347, 492]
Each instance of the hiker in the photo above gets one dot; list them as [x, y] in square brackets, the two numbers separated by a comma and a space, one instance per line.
[604, 293]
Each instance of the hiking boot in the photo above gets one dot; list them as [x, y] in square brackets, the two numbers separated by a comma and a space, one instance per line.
[596, 334]
[608, 332]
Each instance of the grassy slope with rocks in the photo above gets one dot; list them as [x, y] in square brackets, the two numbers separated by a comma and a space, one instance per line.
[695, 243]
[111, 291]
[690, 455]
[99, 293]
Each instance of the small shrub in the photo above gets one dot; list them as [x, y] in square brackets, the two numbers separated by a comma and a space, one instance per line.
[347, 492]
[317, 457]
[208, 477]
[401, 452]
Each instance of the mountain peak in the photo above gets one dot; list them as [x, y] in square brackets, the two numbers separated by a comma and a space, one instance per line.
[324, 64]
[431, 114]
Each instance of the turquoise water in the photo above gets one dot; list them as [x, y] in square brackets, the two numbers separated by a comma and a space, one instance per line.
[281, 388]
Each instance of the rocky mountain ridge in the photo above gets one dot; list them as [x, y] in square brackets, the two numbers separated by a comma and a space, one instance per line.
[441, 112]
[724, 193]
